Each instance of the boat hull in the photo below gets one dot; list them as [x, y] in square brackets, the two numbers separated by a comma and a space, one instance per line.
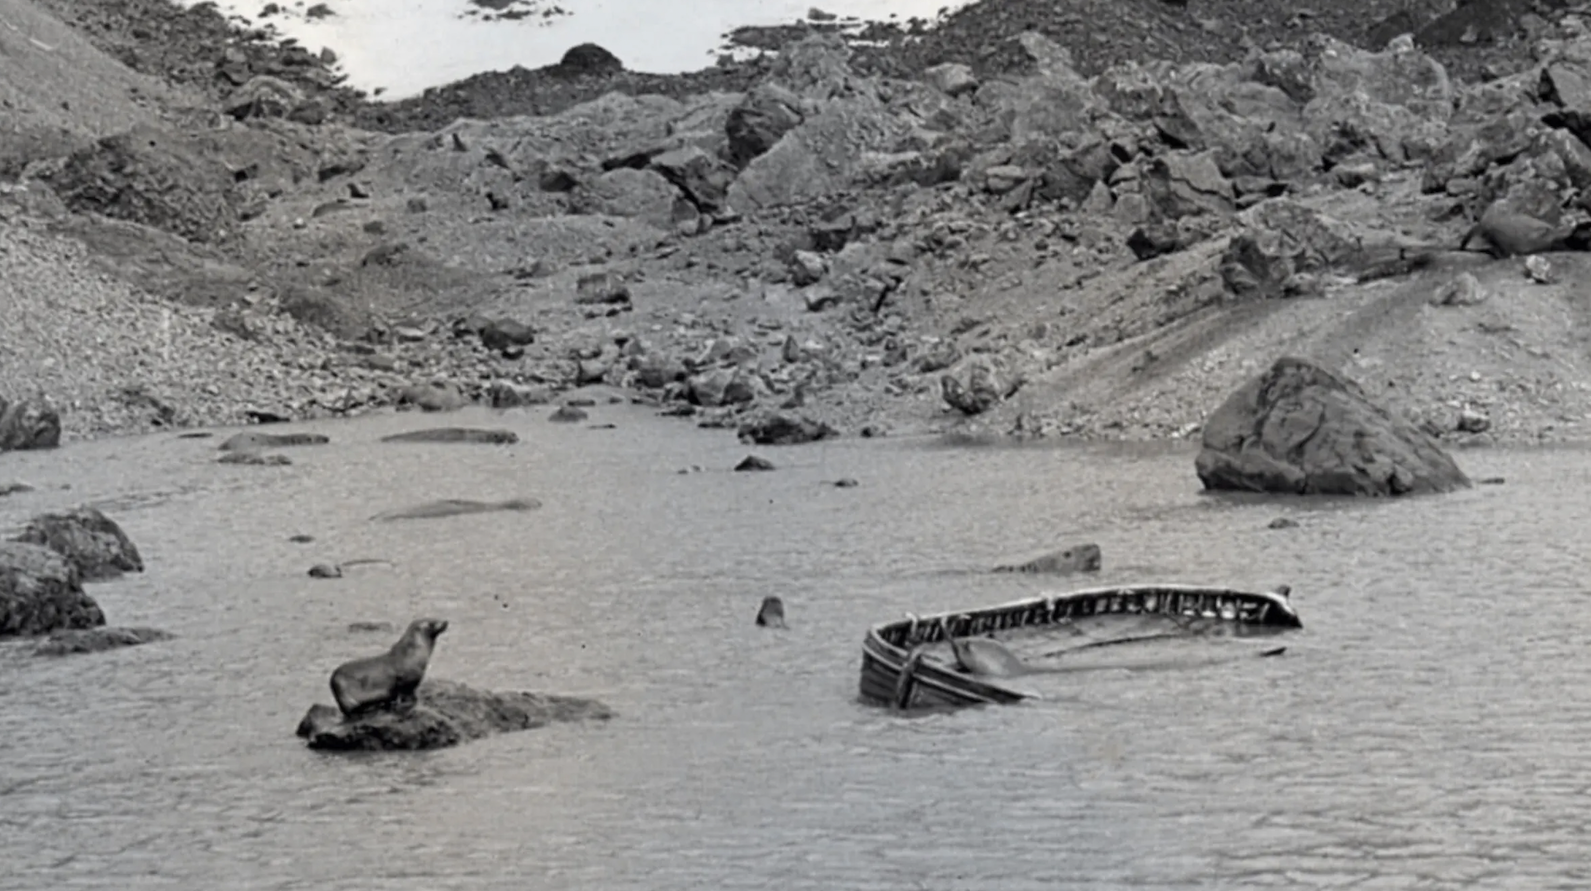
[898, 670]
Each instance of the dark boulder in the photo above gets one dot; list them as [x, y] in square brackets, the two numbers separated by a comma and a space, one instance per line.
[589, 58]
[1300, 429]
[96, 640]
[767, 113]
[28, 425]
[784, 429]
[445, 714]
[40, 591]
[91, 541]
[568, 414]
[500, 334]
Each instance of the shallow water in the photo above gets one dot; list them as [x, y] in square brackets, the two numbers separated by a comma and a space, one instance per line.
[406, 47]
[1424, 730]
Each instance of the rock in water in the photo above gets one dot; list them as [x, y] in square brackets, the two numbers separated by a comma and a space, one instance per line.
[96, 640]
[41, 591]
[90, 540]
[1302, 430]
[445, 714]
[1078, 558]
[254, 441]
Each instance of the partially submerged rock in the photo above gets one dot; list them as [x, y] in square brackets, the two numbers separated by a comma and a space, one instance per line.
[456, 434]
[91, 541]
[255, 459]
[446, 713]
[254, 441]
[1300, 429]
[451, 507]
[1077, 558]
[96, 640]
[40, 591]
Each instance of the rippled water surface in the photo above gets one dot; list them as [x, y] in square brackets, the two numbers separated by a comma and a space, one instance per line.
[1424, 731]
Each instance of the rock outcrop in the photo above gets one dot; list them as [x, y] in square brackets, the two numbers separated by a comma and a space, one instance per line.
[1300, 429]
[446, 714]
[92, 542]
[40, 591]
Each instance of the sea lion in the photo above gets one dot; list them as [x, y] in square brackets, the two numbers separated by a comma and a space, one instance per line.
[450, 507]
[1507, 233]
[771, 615]
[391, 678]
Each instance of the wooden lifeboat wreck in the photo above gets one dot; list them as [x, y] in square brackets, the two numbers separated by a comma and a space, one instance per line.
[919, 661]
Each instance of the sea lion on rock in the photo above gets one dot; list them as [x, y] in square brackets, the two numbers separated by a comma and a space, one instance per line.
[450, 507]
[389, 679]
[771, 615]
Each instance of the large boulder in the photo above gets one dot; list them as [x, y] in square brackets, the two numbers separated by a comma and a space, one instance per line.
[978, 384]
[40, 591]
[28, 425]
[91, 541]
[1302, 430]
[445, 714]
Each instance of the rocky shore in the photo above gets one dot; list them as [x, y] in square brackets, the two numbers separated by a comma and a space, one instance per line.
[971, 227]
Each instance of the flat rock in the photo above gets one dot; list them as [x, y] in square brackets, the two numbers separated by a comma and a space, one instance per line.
[456, 434]
[254, 441]
[452, 507]
[446, 713]
[70, 642]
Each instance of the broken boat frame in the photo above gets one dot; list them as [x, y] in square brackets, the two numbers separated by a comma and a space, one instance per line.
[897, 670]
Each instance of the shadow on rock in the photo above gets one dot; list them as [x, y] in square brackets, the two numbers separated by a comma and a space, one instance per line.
[445, 714]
